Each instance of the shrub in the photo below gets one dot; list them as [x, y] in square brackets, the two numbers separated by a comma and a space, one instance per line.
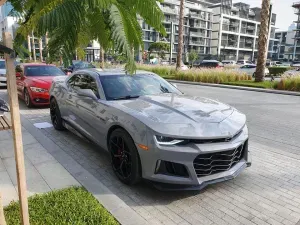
[276, 71]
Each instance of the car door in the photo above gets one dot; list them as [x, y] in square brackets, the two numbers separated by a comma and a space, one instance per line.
[87, 111]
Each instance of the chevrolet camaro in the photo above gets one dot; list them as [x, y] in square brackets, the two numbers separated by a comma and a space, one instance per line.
[151, 130]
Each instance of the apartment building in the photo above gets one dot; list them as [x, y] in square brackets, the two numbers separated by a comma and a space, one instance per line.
[286, 47]
[236, 29]
[296, 53]
[197, 27]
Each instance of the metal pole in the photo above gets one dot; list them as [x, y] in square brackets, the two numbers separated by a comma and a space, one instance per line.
[171, 42]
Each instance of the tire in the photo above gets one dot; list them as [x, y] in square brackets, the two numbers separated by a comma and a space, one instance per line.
[124, 157]
[55, 115]
[253, 74]
[27, 99]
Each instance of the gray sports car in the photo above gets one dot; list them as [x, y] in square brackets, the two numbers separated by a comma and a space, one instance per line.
[151, 129]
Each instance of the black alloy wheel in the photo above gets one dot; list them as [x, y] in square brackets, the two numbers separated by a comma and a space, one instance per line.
[55, 115]
[124, 157]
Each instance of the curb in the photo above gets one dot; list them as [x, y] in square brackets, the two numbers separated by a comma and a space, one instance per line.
[237, 87]
[112, 203]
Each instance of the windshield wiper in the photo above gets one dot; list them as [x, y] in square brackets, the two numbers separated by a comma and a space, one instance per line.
[126, 97]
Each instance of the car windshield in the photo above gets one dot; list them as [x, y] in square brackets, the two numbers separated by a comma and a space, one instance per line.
[2, 64]
[43, 71]
[122, 86]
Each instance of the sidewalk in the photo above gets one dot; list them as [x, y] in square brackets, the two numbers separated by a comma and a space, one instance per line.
[43, 172]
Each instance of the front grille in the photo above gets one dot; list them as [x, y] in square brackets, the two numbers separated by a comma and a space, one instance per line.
[212, 163]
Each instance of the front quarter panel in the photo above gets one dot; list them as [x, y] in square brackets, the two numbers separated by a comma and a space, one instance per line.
[59, 91]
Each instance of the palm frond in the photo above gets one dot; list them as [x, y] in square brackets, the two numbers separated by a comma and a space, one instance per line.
[119, 35]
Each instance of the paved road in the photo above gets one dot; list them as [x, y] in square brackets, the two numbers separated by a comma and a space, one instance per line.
[273, 119]
[266, 193]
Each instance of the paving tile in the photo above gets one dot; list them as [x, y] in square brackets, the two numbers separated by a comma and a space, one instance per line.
[6, 148]
[39, 155]
[2, 167]
[56, 175]
[7, 189]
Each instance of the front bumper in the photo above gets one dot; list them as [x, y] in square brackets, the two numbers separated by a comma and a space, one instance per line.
[40, 98]
[185, 155]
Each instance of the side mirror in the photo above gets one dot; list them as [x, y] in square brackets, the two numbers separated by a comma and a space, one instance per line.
[87, 93]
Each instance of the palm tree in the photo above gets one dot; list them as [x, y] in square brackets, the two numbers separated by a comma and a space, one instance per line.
[72, 24]
[180, 36]
[263, 41]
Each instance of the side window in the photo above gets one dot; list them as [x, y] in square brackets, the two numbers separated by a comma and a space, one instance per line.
[83, 81]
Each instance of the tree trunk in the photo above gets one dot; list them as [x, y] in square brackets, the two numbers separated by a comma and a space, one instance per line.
[29, 47]
[263, 41]
[46, 44]
[102, 57]
[41, 49]
[180, 36]
[33, 47]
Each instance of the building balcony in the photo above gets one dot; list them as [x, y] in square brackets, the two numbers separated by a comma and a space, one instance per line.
[197, 34]
[198, 16]
[228, 44]
[250, 28]
[197, 42]
[199, 25]
[169, 20]
[168, 30]
[234, 25]
[168, 10]
[246, 45]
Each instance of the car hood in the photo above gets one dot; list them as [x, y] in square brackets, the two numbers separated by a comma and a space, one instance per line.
[185, 115]
[42, 81]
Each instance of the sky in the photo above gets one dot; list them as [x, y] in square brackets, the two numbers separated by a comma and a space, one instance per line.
[283, 9]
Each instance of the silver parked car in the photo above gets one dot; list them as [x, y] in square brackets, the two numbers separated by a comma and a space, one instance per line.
[151, 129]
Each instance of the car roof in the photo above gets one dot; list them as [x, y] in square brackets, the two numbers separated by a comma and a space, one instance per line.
[248, 64]
[210, 61]
[110, 72]
[36, 64]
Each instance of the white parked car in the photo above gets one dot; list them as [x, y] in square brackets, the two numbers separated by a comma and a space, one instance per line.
[243, 62]
[250, 69]
[2, 73]
[229, 62]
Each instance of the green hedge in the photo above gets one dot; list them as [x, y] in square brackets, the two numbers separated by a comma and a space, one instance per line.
[276, 71]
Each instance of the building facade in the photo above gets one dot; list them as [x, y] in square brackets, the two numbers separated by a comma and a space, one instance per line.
[223, 29]
[197, 27]
[236, 30]
[286, 47]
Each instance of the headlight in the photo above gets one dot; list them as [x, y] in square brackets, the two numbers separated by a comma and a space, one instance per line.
[167, 140]
[41, 90]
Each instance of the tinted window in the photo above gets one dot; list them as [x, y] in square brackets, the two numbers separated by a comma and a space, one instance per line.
[83, 81]
[2, 64]
[116, 86]
[43, 71]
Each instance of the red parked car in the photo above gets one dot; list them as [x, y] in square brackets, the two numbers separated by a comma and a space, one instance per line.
[34, 81]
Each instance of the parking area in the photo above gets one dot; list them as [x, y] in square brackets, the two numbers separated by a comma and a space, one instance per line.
[266, 193]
